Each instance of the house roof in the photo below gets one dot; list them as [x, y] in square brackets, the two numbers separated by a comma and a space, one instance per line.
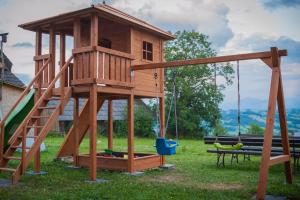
[7, 62]
[104, 11]
[119, 107]
[11, 79]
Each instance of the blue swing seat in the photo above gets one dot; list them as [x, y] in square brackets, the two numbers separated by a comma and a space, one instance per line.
[165, 147]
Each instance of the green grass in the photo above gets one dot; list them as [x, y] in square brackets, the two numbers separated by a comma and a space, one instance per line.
[195, 177]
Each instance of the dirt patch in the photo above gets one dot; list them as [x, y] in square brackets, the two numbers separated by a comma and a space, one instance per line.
[181, 180]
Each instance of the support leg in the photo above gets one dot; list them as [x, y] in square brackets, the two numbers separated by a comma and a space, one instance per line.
[110, 124]
[76, 135]
[162, 125]
[93, 132]
[131, 133]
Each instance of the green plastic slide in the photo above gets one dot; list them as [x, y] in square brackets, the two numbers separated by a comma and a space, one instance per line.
[17, 116]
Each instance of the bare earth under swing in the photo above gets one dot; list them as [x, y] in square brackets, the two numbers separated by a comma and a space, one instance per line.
[114, 57]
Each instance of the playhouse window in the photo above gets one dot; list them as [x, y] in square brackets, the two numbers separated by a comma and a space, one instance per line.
[147, 51]
[105, 43]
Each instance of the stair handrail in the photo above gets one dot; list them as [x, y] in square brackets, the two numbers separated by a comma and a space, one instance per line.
[25, 92]
[37, 104]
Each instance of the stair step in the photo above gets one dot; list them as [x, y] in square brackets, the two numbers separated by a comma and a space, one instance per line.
[48, 108]
[55, 98]
[34, 126]
[19, 147]
[28, 136]
[12, 158]
[7, 169]
[39, 117]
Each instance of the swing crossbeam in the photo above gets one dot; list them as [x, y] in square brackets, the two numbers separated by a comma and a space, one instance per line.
[198, 61]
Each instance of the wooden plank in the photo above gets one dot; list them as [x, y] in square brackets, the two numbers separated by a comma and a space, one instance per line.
[76, 131]
[283, 126]
[118, 68]
[115, 53]
[162, 123]
[123, 70]
[106, 66]
[110, 124]
[93, 132]
[248, 56]
[279, 159]
[131, 134]
[40, 57]
[52, 48]
[100, 65]
[264, 166]
[112, 70]
[94, 42]
[128, 71]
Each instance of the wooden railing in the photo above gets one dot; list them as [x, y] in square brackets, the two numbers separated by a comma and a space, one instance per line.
[44, 79]
[34, 81]
[101, 65]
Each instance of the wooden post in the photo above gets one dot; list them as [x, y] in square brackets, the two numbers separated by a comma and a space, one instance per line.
[93, 132]
[62, 41]
[162, 124]
[77, 41]
[284, 130]
[110, 124]
[276, 93]
[38, 51]
[76, 136]
[24, 133]
[94, 42]
[52, 40]
[131, 133]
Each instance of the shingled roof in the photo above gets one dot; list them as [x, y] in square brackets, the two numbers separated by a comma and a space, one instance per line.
[9, 77]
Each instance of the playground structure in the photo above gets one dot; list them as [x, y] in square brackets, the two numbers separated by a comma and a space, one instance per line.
[115, 56]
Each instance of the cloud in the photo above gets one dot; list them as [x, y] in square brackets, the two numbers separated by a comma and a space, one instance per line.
[208, 17]
[23, 45]
[261, 42]
[274, 4]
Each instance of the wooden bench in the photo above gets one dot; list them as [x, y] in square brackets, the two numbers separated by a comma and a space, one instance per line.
[253, 146]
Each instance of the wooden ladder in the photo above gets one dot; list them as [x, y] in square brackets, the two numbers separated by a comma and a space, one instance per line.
[32, 121]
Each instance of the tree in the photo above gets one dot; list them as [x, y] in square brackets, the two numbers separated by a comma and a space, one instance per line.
[197, 97]
[255, 129]
[143, 123]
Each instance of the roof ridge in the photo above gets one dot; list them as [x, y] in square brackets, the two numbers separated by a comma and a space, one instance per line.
[119, 11]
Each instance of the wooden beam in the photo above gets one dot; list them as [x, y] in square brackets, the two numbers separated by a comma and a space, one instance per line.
[283, 126]
[94, 42]
[131, 133]
[162, 124]
[110, 124]
[62, 61]
[268, 135]
[76, 131]
[93, 132]
[279, 159]
[52, 43]
[38, 52]
[198, 61]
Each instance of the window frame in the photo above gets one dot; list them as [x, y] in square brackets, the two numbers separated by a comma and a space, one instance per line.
[147, 51]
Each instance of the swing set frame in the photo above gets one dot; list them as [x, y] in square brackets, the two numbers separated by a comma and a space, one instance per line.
[272, 59]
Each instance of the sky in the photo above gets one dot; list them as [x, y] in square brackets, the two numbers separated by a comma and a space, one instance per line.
[233, 26]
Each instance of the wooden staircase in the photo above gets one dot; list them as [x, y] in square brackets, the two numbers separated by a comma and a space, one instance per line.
[39, 122]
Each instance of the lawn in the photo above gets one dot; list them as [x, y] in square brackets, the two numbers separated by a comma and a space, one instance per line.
[195, 177]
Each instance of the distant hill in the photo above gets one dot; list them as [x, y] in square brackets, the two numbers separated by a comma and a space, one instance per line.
[249, 116]
[257, 104]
